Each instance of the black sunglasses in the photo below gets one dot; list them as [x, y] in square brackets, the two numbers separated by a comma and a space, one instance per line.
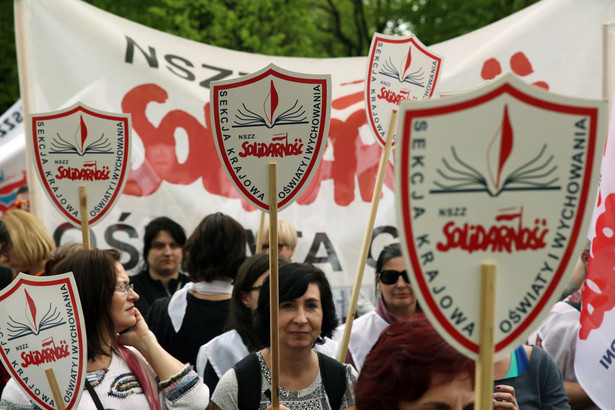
[390, 277]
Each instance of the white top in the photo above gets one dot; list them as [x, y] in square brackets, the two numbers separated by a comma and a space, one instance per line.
[118, 388]
[224, 351]
[363, 336]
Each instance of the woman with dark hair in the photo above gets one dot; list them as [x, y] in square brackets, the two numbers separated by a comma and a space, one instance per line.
[307, 379]
[197, 313]
[411, 365]
[117, 376]
[397, 301]
[221, 353]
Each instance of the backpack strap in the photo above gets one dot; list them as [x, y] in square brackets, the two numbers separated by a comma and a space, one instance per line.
[248, 373]
[333, 374]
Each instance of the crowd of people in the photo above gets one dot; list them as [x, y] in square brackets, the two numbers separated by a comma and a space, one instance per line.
[191, 329]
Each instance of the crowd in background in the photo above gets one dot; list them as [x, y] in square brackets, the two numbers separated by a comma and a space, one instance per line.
[192, 328]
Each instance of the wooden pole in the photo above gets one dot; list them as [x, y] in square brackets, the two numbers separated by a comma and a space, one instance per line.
[83, 212]
[261, 226]
[55, 390]
[484, 365]
[367, 238]
[274, 348]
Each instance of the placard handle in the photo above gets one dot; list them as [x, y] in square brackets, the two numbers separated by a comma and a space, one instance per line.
[83, 212]
[367, 238]
[484, 365]
[55, 389]
[274, 348]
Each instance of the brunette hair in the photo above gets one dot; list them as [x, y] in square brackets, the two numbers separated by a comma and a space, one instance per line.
[61, 253]
[240, 316]
[294, 280]
[156, 225]
[31, 241]
[404, 363]
[215, 249]
[95, 275]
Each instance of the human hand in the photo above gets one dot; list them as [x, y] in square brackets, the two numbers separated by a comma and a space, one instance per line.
[504, 398]
[134, 336]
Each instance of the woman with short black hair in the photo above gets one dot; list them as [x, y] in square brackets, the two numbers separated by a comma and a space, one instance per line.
[307, 379]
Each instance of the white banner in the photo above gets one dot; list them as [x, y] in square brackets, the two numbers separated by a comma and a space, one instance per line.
[75, 52]
[595, 352]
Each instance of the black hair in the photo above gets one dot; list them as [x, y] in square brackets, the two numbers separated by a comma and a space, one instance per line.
[156, 225]
[240, 316]
[294, 280]
[215, 249]
[389, 252]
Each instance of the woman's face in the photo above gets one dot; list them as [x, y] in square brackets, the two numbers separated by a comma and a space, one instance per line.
[301, 320]
[250, 297]
[122, 305]
[399, 297]
[445, 395]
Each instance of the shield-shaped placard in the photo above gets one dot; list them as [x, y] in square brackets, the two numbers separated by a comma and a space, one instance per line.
[81, 146]
[272, 115]
[506, 173]
[41, 327]
[399, 68]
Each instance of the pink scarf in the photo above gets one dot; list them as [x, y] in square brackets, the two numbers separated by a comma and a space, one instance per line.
[145, 379]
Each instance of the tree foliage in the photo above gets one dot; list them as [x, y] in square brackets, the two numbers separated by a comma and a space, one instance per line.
[300, 28]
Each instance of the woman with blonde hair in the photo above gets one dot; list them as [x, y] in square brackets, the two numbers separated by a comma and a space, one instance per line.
[31, 243]
[287, 239]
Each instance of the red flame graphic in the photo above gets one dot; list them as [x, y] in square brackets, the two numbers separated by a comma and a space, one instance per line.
[82, 131]
[271, 103]
[31, 311]
[407, 64]
[506, 144]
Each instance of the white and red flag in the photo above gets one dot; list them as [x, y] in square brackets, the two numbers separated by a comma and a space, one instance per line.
[595, 356]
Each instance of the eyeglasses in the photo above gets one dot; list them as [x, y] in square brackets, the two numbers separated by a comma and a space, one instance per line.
[390, 277]
[125, 288]
[280, 246]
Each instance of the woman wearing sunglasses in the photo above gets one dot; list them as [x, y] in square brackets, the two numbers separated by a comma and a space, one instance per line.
[396, 301]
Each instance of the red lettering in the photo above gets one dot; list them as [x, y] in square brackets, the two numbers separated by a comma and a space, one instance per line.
[354, 162]
[497, 238]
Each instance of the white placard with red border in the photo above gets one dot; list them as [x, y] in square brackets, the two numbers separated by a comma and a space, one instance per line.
[80, 145]
[399, 68]
[507, 174]
[272, 115]
[41, 327]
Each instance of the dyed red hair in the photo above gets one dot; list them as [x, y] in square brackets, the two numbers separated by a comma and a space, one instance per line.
[403, 363]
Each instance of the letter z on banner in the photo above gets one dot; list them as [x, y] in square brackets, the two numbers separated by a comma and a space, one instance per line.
[271, 114]
[42, 327]
[506, 173]
[80, 145]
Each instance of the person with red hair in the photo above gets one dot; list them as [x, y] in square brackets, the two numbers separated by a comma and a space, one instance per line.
[412, 367]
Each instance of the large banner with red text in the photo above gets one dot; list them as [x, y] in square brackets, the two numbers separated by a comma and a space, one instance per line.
[76, 52]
